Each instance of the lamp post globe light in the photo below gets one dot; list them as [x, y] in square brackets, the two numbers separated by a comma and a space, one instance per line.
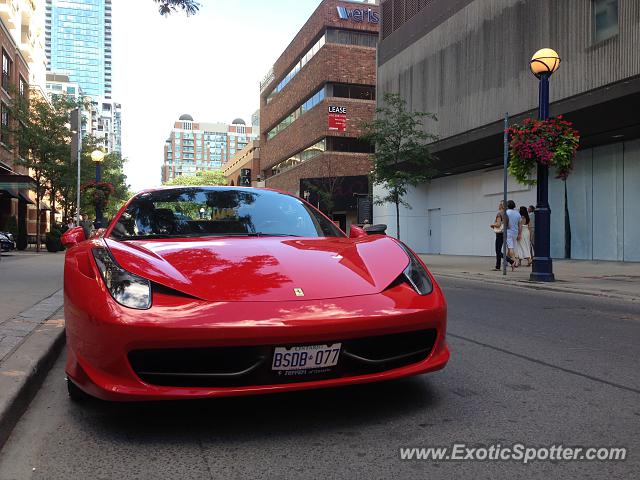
[543, 64]
[98, 156]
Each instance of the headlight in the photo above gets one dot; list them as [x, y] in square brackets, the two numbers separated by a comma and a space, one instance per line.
[126, 288]
[416, 275]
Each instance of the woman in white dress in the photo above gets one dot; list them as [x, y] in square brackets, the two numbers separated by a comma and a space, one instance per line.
[523, 246]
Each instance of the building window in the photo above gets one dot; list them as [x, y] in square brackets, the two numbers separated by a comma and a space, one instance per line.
[4, 124]
[300, 157]
[6, 70]
[605, 19]
[22, 87]
[297, 67]
[350, 37]
[311, 102]
[359, 92]
[348, 144]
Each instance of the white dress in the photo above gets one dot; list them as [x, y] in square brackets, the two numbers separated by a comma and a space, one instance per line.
[523, 246]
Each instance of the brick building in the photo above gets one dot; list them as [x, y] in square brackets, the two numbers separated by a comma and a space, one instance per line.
[313, 103]
[194, 147]
[247, 158]
[23, 66]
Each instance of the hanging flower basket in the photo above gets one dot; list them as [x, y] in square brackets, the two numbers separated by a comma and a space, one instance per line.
[552, 142]
[99, 191]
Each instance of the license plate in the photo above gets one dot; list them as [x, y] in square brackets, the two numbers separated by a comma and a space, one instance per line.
[305, 359]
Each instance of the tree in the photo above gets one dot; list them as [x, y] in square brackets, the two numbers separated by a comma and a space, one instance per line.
[166, 7]
[402, 157]
[207, 177]
[41, 134]
[327, 185]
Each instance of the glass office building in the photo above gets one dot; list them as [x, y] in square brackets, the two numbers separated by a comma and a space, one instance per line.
[78, 43]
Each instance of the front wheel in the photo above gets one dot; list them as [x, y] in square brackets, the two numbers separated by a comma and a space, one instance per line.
[76, 394]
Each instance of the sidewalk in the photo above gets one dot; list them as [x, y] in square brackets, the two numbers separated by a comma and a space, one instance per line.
[26, 278]
[600, 278]
[31, 328]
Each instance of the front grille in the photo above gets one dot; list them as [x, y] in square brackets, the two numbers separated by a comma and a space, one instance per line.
[251, 365]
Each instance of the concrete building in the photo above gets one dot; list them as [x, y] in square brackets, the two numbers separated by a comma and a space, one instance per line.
[247, 158]
[468, 62]
[106, 123]
[313, 102]
[102, 117]
[198, 146]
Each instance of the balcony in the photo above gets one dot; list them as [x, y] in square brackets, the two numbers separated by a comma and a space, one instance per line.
[9, 13]
[27, 44]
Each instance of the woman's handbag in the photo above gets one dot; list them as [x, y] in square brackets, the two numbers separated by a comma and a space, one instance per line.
[499, 229]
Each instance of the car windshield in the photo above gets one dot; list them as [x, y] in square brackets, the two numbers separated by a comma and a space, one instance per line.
[201, 212]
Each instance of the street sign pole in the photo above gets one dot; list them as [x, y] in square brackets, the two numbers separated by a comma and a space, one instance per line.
[505, 164]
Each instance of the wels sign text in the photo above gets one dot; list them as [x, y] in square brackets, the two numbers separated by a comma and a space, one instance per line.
[358, 15]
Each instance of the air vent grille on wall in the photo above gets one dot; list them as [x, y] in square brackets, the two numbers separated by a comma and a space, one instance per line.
[396, 13]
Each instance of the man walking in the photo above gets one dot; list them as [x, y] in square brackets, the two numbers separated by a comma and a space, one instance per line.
[514, 230]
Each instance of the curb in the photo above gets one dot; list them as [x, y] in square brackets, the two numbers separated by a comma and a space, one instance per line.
[24, 370]
[536, 286]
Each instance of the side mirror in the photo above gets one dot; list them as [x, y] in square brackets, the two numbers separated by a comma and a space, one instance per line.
[379, 229]
[356, 232]
[73, 237]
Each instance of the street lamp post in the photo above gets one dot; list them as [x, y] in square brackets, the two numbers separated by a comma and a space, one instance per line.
[543, 63]
[98, 156]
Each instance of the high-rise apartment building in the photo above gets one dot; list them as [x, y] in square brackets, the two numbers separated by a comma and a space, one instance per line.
[78, 43]
[106, 123]
[101, 116]
[198, 146]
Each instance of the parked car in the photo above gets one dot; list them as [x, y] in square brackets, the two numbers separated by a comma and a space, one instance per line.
[195, 292]
[7, 242]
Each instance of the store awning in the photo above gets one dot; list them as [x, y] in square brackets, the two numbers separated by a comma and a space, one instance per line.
[8, 193]
[26, 198]
[14, 182]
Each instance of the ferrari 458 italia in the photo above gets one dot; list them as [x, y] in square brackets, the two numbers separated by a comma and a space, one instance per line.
[197, 292]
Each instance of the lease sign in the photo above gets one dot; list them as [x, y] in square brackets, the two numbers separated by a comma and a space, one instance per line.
[337, 118]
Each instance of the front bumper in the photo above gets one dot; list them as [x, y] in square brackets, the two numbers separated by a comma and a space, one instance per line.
[102, 336]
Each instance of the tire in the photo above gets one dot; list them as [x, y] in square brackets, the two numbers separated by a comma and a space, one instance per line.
[76, 394]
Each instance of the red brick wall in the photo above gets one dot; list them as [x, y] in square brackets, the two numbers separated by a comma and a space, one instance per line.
[328, 164]
[19, 67]
[333, 63]
[325, 15]
[313, 126]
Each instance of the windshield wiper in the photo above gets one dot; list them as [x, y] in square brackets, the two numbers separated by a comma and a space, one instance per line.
[151, 236]
[154, 236]
[263, 234]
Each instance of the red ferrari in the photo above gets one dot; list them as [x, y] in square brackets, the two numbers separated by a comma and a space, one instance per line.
[214, 291]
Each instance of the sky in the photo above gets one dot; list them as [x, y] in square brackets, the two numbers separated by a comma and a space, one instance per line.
[208, 65]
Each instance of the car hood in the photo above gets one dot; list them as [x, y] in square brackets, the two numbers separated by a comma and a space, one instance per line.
[265, 268]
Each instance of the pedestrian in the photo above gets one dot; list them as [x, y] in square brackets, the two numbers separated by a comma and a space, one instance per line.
[70, 223]
[513, 232]
[523, 246]
[498, 228]
[86, 224]
[532, 224]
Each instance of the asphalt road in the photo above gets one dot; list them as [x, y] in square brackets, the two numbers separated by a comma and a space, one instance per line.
[530, 367]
